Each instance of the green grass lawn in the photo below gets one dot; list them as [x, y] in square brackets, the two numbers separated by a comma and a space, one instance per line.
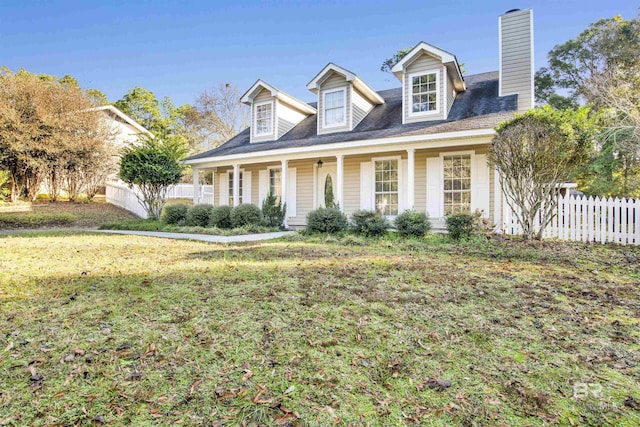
[60, 214]
[155, 225]
[127, 330]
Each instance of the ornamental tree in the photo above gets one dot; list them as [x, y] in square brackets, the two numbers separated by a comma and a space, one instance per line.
[153, 166]
[534, 153]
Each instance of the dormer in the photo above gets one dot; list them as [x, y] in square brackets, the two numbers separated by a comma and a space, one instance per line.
[273, 112]
[344, 99]
[431, 79]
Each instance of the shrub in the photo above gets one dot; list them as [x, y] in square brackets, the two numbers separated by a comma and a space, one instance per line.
[221, 217]
[412, 223]
[369, 223]
[199, 215]
[245, 214]
[272, 211]
[175, 214]
[460, 225]
[326, 220]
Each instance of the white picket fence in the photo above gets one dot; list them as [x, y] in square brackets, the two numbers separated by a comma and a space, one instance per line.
[120, 194]
[588, 219]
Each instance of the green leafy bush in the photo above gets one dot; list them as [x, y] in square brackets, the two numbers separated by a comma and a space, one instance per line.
[221, 217]
[273, 211]
[460, 225]
[412, 223]
[136, 225]
[175, 214]
[369, 223]
[153, 165]
[326, 220]
[199, 215]
[245, 214]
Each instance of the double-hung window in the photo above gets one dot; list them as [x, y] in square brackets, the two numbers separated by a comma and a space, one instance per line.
[424, 92]
[264, 119]
[386, 187]
[457, 184]
[231, 189]
[275, 186]
[334, 108]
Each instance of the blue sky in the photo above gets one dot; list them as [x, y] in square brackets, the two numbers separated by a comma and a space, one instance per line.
[179, 48]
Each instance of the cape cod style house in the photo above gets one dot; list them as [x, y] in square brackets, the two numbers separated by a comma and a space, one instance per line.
[420, 146]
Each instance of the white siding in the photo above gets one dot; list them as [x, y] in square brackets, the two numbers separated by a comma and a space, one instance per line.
[360, 105]
[263, 96]
[287, 118]
[333, 82]
[423, 63]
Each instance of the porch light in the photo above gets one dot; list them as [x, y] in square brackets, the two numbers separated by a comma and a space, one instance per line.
[320, 163]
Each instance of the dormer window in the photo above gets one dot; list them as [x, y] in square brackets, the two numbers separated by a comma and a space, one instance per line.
[334, 107]
[264, 118]
[424, 92]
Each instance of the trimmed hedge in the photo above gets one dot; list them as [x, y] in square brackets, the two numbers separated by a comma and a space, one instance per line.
[175, 214]
[369, 223]
[221, 217]
[326, 220]
[245, 214]
[412, 223]
[199, 215]
[460, 225]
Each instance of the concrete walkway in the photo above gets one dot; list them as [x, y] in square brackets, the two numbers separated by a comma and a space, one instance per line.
[201, 237]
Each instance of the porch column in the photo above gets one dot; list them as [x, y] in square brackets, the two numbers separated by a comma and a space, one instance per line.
[196, 185]
[284, 177]
[213, 186]
[340, 181]
[411, 178]
[236, 184]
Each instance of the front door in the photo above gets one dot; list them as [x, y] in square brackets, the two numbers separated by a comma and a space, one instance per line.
[325, 185]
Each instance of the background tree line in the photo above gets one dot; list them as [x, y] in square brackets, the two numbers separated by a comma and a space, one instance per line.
[50, 137]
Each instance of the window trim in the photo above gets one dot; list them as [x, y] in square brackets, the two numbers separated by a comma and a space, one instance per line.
[230, 189]
[400, 182]
[269, 169]
[409, 95]
[324, 108]
[471, 154]
[255, 118]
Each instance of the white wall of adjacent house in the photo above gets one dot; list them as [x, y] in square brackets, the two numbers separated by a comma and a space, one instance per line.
[123, 134]
[516, 58]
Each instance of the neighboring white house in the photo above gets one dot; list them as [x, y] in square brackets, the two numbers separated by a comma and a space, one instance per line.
[420, 146]
[124, 128]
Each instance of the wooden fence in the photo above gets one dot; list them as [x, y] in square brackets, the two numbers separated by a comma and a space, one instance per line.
[588, 219]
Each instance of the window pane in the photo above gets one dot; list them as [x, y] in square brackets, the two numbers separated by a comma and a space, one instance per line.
[457, 183]
[386, 187]
[424, 90]
[263, 119]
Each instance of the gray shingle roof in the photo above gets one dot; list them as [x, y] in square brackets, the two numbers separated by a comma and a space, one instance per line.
[479, 107]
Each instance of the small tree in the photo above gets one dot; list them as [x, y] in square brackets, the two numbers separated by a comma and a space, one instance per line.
[273, 211]
[153, 166]
[536, 152]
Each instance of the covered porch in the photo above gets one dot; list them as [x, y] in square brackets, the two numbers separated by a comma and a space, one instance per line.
[434, 178]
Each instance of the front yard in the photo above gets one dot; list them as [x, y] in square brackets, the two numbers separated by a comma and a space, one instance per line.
[62, 214]
[316, 331]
